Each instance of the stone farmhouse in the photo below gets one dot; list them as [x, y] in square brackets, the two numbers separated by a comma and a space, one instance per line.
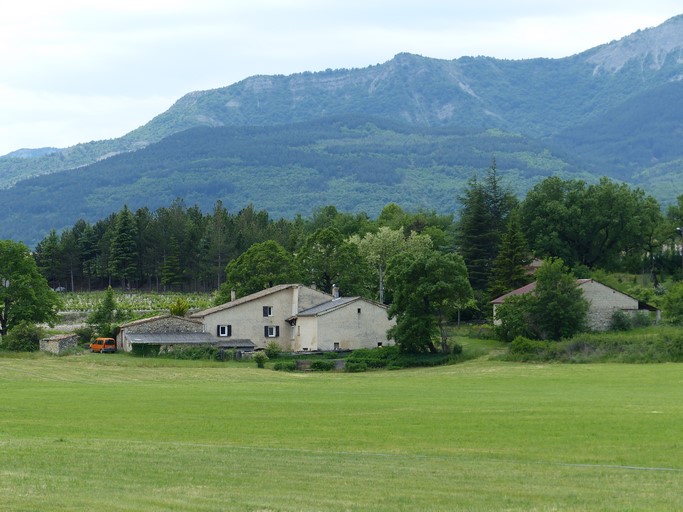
[603, 302]
[296, 317]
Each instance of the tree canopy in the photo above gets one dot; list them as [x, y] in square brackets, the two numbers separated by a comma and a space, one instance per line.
[428, 288]
[24, 292]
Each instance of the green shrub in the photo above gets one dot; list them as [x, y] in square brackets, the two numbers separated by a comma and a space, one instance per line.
[641, 319]
[260, 358]
[23, 337]
[195, 353]
[145, 350]
[273, 350]
[355, 366]
[322, 365]
[524, 346]
[285, 366]
[85, 334]
[620, 321]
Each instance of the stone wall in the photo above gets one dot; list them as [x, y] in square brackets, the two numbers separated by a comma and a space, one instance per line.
[59, 344]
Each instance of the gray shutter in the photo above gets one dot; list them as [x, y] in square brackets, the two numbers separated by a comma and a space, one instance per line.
[277, 331]
[265, 310]
[265, 331]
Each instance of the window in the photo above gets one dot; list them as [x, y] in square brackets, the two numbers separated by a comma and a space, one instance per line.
[359, 311]
[224, 331]
[379, 344]
[336, 345]
[267, 310]
[271, 331]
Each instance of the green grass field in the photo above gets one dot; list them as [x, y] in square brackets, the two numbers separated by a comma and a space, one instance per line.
[112, 432]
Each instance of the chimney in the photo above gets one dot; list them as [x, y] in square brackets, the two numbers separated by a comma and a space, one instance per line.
[233, 295]
[335, 291]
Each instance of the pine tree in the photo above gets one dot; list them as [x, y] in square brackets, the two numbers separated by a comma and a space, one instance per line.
[123, 262]
[171, 271]
[509, 267]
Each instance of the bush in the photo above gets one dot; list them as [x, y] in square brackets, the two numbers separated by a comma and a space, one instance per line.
[145, 350]
[273, 350]
[620, 321]
[321, 365]
[23, 337]
[524, 346]
[285, 366]
[85, 334]
[355, 366]
[260, 358]
[194, 353]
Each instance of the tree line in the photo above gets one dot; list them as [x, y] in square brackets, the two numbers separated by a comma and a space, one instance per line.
[606, 225]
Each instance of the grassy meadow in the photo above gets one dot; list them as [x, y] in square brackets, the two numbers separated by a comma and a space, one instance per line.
[118, 433]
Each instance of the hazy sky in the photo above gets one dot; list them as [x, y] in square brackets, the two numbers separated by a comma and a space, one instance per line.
[78, 70]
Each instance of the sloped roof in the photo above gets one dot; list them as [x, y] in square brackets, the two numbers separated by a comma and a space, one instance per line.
[579, 282]
[333, 304]
[327, 306]
[170, 338]
[159, 317]
[245, 299]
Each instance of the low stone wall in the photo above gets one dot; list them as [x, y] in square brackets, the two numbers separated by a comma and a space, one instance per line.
[59, 343]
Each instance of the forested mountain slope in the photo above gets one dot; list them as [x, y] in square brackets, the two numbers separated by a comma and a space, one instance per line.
[356, 163]
[614, 110]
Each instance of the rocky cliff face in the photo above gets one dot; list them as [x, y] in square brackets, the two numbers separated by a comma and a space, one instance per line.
[651, 48]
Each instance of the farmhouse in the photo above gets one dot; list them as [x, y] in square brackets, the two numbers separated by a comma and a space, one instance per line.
[298, 318]
[603, 302]
[170, 331]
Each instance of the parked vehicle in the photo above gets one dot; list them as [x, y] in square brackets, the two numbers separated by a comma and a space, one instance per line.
[103, 345]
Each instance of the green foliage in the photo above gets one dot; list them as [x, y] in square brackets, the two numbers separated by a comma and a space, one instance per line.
[85, 334]
[260, 359]
[326, 258]
[639, 346]
[263, 265]
[672, 304]
[355, 366]
[179, 307]
[106, 313]
[284, 366]
[485, 208]
[124, 250]
[427, 289]
[195, 353]
[145, 350]
[24, 293]
[593, 225]
[23, 337]
[554, 309]
[322, 365]
[509, 270]
[273, 350]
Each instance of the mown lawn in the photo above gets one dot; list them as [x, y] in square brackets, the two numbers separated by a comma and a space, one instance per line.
[111, 432]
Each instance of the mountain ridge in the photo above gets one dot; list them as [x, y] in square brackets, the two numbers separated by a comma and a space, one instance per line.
[614, 110]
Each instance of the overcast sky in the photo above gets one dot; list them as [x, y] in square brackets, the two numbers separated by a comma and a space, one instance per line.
[78, 70]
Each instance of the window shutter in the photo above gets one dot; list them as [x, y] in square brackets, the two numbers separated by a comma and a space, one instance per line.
[265, 331]
[277, 331]
[265, 310]
[218, 330]
[229, 330]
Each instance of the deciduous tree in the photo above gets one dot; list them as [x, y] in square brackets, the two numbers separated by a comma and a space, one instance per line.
[24, 292]
[428, 288]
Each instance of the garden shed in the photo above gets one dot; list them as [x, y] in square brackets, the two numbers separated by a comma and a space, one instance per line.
[59, 343]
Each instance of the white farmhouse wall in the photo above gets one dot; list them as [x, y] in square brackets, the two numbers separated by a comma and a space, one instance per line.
[604, 301]
[246, 320]
[358, 324]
